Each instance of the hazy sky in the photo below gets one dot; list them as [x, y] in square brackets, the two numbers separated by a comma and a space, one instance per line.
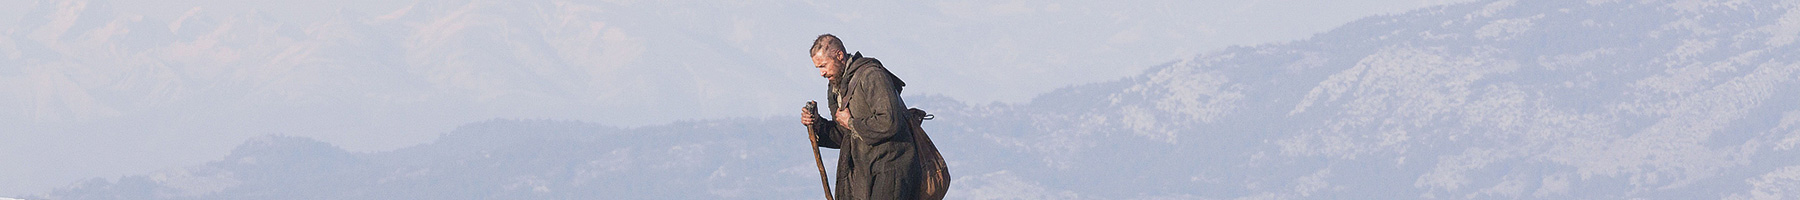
[975, 51]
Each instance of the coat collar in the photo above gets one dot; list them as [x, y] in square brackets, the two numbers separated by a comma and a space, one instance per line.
[846, 68]
[850, 65]
[856, 62]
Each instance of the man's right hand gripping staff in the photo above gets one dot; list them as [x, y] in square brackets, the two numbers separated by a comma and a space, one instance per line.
[824, 131]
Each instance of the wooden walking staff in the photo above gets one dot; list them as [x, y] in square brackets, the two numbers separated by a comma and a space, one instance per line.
[811, 135]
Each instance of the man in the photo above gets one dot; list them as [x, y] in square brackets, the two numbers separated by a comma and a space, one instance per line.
[875, 157]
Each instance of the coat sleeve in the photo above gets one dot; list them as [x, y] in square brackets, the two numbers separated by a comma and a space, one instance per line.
[873, 112]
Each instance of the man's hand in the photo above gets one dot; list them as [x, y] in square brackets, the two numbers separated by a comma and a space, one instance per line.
[842, 116]
[807, 117]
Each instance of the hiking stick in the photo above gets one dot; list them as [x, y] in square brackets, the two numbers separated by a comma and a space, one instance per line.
[813, 106]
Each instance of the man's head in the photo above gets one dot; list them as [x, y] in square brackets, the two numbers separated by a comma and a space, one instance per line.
[828, 56]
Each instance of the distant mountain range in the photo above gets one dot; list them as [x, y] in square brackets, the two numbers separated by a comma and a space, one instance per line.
[1486, 100]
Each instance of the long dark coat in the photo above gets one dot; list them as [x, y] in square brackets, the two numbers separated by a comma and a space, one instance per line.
[875, 157]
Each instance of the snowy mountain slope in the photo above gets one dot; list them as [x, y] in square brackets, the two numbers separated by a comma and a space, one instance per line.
[1505, 99]
[1486, 100]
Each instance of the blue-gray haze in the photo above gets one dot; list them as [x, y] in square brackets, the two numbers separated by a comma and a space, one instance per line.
[1482, 100]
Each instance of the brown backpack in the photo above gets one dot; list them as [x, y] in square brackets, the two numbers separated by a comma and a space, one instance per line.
[937, 175]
